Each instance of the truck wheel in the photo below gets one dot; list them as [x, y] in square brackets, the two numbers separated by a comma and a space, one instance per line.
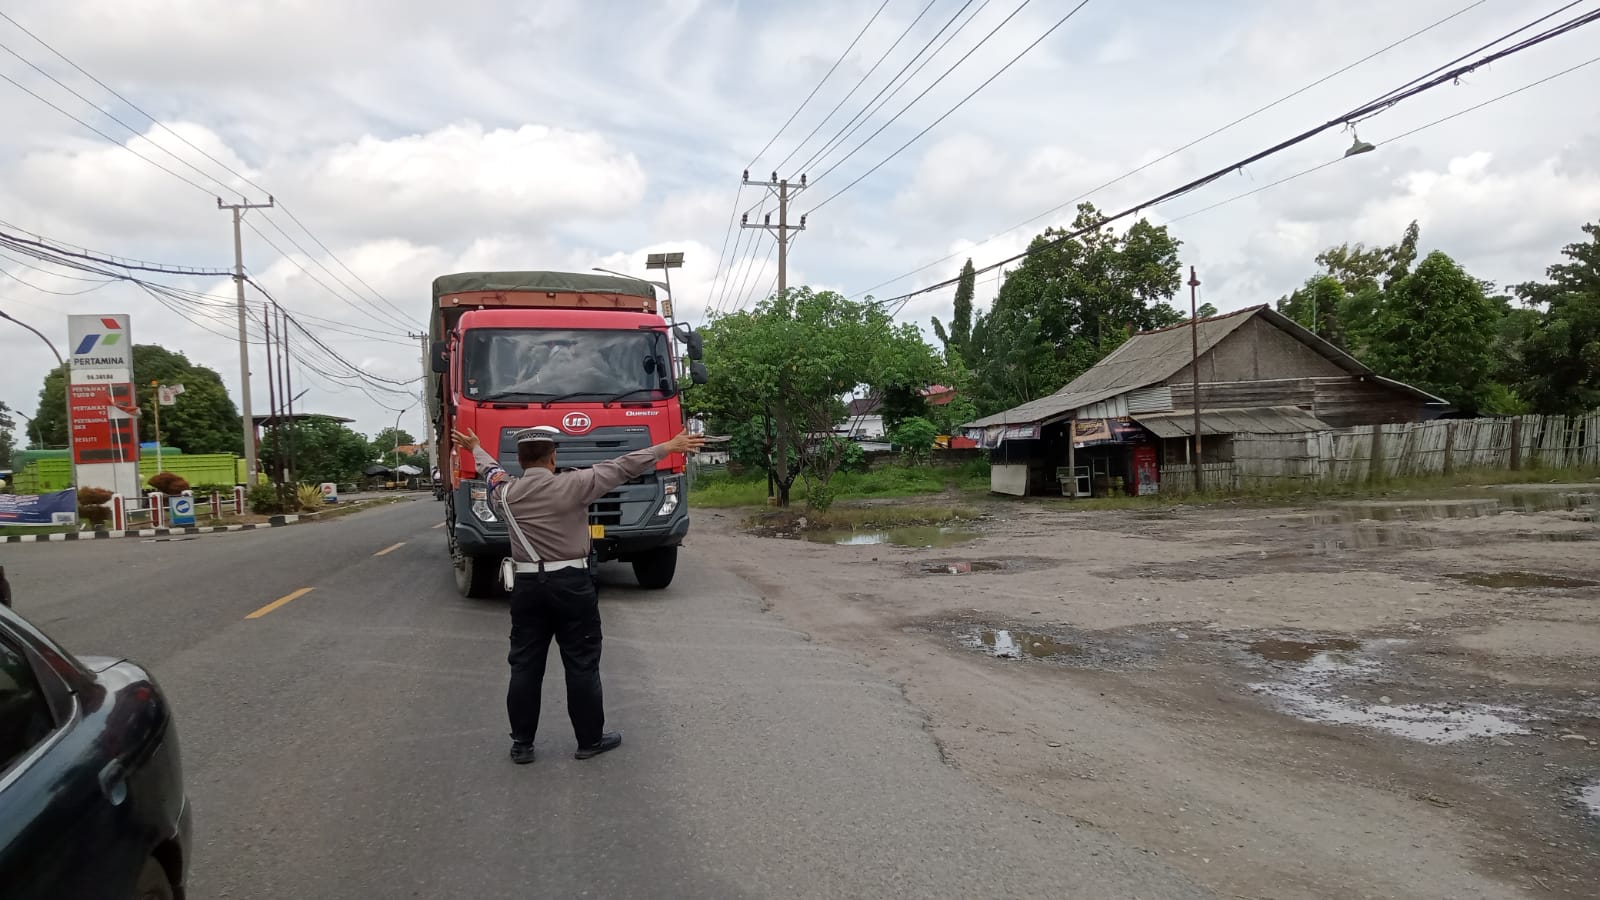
[477, 576]
[655, 568]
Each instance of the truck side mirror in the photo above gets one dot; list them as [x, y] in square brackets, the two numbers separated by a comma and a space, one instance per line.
[439, 357]
[697, 373]
[691, 340]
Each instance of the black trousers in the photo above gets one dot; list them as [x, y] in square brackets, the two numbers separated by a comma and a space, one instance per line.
[563, 605]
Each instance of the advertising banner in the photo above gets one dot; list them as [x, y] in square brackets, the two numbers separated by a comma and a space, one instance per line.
[102, 349]
[59, 508]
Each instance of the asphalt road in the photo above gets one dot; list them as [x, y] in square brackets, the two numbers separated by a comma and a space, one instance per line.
[351, 742]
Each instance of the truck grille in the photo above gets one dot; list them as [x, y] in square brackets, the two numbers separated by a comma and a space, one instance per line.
[632, 502]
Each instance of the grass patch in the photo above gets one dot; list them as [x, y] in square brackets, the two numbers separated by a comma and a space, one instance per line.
[881, 482]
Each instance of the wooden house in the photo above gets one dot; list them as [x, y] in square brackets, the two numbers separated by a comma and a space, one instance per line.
[1116, 427]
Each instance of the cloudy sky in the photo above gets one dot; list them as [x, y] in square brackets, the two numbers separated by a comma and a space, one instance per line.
[414, 139]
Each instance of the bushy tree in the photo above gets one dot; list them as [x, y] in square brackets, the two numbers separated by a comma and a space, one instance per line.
[1069, 304]
[915, 439]
[797, 354]
[1561, 353]
[1437, 330]
[324, 450]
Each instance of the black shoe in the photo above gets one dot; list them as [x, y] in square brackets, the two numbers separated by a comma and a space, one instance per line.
[521, 753]
[611, 740]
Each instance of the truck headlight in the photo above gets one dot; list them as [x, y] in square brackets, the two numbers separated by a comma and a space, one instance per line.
[480, 505]
[670, 504]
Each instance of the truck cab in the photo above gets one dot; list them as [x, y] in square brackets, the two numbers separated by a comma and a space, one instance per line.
[586, 354]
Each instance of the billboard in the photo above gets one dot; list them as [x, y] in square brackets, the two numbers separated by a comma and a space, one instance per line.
[105, 424]
[59, 508]
[102, 349]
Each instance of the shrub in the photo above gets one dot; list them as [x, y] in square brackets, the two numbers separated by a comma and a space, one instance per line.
[915, 438]
[309, 496]
[264, 500]
[92, 506]
[169, 483]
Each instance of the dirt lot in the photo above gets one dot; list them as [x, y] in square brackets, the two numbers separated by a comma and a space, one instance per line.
[1378, 699]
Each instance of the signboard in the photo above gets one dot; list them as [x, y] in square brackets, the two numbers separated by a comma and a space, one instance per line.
[181, 509]
[1146, 471]
[167, 394]
[102, 349]
[330, 492]
[59, 508]
[1092, 432]
[105, 427]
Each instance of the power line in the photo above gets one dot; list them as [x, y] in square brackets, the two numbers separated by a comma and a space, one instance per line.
[960, 103]
[824, 80]
[164, 127]
[105, 259]
[733, 215]
[288, 257]
[1171, 153]
[859, 82]
[728, 294]
[914, 100]
[1338, 159]
[869, 109]
[1366, 110]
[25, 89]
[328, 350]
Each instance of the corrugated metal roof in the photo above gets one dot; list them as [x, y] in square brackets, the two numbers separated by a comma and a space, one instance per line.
[1146, 358]
[1260, 420]
[1151, 357]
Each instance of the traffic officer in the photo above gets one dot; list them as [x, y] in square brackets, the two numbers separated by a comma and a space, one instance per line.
[554, 596]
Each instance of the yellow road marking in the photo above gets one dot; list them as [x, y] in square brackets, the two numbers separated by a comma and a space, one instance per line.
[279, 602]
[390, 549]
[440, 525]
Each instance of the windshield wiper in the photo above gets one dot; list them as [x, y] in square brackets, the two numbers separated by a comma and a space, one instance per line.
[614, 399]
[568, 396]
[510, 395]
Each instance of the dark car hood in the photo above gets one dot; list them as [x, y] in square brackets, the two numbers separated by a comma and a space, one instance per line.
[98, 664]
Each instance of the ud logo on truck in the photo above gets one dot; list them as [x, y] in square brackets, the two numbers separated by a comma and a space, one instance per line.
[576, 423]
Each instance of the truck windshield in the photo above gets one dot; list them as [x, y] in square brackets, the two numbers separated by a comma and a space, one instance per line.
[540, 364]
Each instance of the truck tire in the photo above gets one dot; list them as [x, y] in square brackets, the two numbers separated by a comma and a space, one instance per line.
[655, 568]
[477, 577]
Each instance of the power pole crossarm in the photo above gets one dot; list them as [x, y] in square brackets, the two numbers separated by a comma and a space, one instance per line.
[250, 465]
[785, 192]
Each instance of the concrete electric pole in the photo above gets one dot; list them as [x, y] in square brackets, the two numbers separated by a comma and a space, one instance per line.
[784, 192]
[250, 465]
[427, 417]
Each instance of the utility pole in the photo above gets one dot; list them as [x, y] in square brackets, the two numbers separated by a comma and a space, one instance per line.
[427, 418]
[272, 399]
[250, 465]
[785, 192]
[1194, 366]
[288, 391]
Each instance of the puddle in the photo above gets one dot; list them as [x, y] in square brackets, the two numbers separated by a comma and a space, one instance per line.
[1004, 643]
[1520, 580]
[924, 536]
[1299, 651]
[962, 568]
[1428, 510]
[1313, 691]
[1590, 798]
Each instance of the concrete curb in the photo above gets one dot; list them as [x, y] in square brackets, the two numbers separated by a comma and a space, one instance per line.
[273, 522]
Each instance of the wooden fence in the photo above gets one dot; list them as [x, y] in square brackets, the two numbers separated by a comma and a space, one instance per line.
[1215, 478]
[1376, 452]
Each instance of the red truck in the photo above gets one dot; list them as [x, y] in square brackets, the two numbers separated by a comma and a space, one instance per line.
[588, 354]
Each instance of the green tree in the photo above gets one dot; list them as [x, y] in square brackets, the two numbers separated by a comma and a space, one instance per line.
[915, 437]
[8, 441]
[1071, 302]
[324, 450]
[901, 402]
[1437, 330]
[1317, 306]
[384, 442]
[204, 419]
[1561, 355]
[958, 340]
[797, 354]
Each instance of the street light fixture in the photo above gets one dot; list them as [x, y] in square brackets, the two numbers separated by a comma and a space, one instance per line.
[66, 376]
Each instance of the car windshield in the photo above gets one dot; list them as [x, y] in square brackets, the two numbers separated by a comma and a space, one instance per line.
[540, 364]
